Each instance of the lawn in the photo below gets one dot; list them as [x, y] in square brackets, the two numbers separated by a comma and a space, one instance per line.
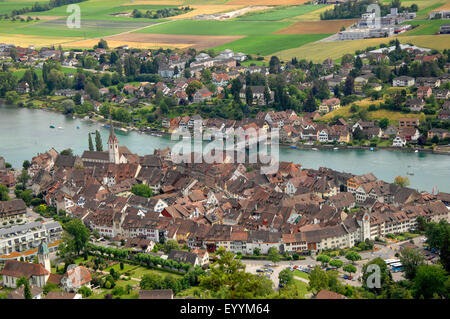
[139, 272]
[281, 13]
[208, 27]
[301, 274]
[269, 44]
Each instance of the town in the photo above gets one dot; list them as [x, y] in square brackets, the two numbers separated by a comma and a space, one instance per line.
[152, 211]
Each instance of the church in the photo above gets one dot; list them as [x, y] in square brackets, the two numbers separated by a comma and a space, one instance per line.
[40, 274]
[37, 274]
[115, 154]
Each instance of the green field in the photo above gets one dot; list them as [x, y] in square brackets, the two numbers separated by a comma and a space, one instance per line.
[425, 27]
[280, 13]
[268, 44]
[207, 27]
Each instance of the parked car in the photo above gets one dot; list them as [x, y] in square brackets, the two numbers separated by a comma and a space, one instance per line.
[268, 265]
[259, 270]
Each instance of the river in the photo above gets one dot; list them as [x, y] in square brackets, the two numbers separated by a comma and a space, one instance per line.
[24, 133]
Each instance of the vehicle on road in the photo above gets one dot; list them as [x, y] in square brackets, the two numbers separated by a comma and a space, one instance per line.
[259, 270]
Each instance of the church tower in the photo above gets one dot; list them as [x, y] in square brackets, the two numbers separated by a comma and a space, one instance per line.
[365, 230]
[43, 256]
[113, 144]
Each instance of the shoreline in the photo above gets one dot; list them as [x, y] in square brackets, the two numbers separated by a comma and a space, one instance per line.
[297, 145]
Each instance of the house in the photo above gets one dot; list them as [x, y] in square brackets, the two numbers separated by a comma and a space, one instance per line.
[203, 256]
[12, 212]
[63, 295]
[442, 94]
[439, 132]
[399, 141]
[257, 93]
[326, 294]
[75, 278]
[403, 81]
[415, 104]
[184, 257]
[409, 134]
[202, 95]
[156, 294]
[23, 88]
[408, 122]
[36, 293]
[424, 92]
[329, 105]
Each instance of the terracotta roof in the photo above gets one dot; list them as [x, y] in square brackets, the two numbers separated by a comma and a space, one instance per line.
[326, 294]
[18, 269]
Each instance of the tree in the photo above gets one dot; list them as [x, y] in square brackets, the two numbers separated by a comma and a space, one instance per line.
[26, 164]
[349, 268]
[286, 277]
[256, 251]
[91, 145]
[411, 259]
[98, 141]
[68, 106]
[22, 281]
[348, 87]
[67, 152]
[142, 190]
[85, 291]
[438, 237]
[192, 88]
[353, 256]
[324, 259]
[79, 235]
[11, 97]
[170, 245]
[401, 181]
[430, 280]
[384, 123]
[274, 65]
[227, 279]
[23, 178]
[249, 95]
[102, 44]
[4, 193]
[336, 263]
[318, 280]
[385, 275]
[273, 255]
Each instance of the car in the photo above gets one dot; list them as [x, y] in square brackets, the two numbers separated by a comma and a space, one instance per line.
[259, 270]
[268, 265]
[269, 270]
[350, 278]
[295, 267]
[281, 285]
[345, 276]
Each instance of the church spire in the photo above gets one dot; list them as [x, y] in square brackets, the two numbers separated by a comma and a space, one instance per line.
[113, 143]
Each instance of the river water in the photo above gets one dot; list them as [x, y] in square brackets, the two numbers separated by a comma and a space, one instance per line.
[24, 133]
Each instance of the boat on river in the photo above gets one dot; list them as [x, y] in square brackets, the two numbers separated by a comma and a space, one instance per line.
[52, 126]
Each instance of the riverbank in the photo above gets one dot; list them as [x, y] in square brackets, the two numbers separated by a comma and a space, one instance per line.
[97, 118]
[368, 148]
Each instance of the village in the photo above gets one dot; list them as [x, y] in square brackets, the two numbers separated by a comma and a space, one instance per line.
[371, 99]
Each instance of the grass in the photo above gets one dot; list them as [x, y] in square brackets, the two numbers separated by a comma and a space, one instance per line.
[269, 44]
[139, 272]
[200, 27]
[281, 13]
[302, 287]
[426, 27]
[301, 274]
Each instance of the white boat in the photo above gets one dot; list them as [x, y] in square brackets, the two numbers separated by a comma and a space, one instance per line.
[416, 151]
[336, 148]
[314, 149]
[60, 128]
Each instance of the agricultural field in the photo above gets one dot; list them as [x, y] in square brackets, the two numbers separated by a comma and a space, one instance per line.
[269, 44]
[287, 28]
[426, 27]
[317, 27]
[278, 14]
